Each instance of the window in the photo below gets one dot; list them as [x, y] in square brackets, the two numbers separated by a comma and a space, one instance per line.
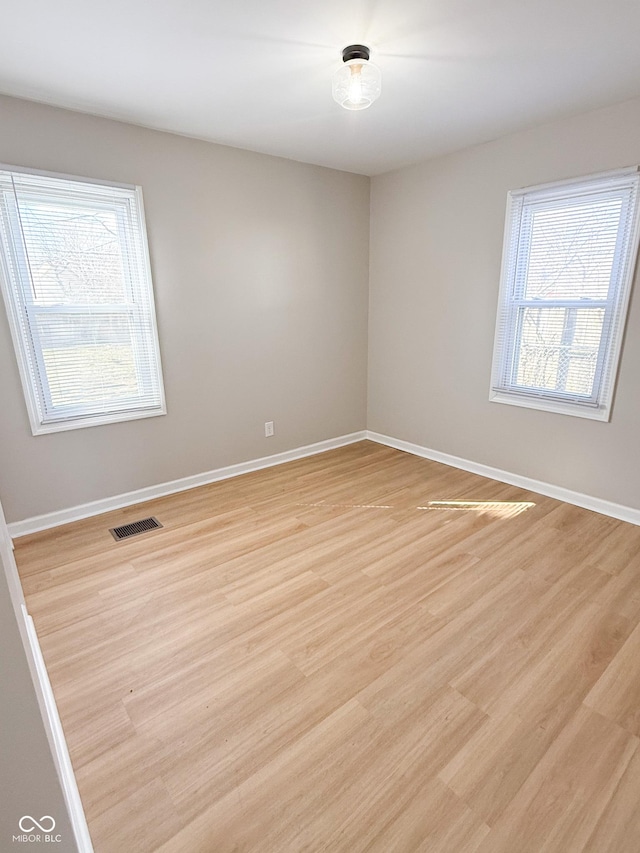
[77, 287]
[568, 262]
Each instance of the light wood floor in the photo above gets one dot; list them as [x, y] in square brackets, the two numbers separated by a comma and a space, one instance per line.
[321, 657]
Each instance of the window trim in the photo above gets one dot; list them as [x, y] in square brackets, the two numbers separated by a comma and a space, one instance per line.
[616, 306]
[40, 426]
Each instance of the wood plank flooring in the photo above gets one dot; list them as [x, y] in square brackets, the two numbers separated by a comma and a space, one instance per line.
[358, 651]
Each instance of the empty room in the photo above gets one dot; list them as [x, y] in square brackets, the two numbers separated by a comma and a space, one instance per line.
[320, 409]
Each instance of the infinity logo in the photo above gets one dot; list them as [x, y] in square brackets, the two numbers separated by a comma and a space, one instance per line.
[28, 823]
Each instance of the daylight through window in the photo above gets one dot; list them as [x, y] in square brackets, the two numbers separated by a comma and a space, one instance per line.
[77, 287]
[569, 257]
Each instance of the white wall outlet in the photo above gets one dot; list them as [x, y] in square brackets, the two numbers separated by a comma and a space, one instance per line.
[268, 429]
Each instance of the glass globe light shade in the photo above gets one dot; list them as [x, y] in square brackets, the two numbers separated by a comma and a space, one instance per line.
[356, 84]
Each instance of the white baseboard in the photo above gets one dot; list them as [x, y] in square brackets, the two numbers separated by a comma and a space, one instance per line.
[64, 516]
[619, 511]
[49, 711]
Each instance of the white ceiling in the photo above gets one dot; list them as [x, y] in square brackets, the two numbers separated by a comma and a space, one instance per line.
[256, 74]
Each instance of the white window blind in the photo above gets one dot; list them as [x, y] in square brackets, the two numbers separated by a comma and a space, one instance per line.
[78, 292]
[568, 262]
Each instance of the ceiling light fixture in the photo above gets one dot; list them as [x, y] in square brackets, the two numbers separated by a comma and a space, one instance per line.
[357, 83]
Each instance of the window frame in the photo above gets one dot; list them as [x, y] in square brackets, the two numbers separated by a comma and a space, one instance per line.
[512, 299]
[17, 300]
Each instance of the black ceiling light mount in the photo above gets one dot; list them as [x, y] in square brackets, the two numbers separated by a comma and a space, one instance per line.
[356, 51]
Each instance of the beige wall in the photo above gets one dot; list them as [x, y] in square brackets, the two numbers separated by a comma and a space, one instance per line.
[436, 243]
[260, 270]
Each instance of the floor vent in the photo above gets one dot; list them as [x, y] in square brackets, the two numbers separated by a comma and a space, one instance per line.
[127, 530]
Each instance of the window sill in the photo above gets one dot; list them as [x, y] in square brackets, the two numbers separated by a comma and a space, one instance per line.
[557, 407]
[81, 423]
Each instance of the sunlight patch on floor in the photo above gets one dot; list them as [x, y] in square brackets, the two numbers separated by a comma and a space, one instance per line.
[348, 506]
[497, 509]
